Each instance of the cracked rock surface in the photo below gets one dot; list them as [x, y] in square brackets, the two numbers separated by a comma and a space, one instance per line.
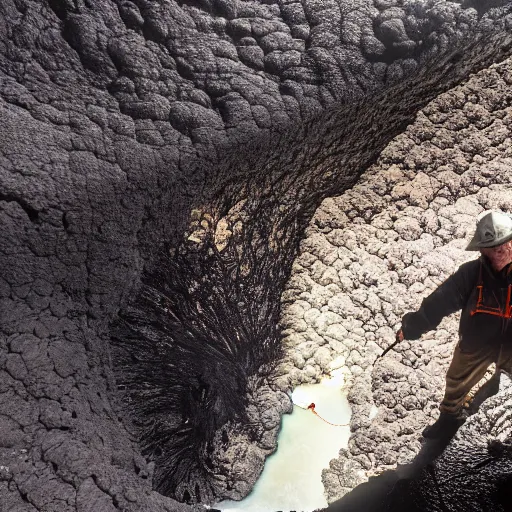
[372, 254]
[133, 224]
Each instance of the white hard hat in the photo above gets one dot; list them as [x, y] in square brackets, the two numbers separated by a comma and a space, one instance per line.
[493, 228]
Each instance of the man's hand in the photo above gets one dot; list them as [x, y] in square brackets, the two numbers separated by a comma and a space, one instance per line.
[399, 336]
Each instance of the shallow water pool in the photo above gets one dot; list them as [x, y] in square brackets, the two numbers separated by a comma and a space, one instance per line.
[291, 479]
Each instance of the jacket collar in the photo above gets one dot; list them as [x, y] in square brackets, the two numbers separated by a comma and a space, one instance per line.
[504, 273]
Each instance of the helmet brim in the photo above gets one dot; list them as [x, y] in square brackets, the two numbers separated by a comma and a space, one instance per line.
[475, 245]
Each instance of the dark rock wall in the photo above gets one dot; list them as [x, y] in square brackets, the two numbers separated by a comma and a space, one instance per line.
[122, 131]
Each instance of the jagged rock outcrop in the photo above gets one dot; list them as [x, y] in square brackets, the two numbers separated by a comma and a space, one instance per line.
[131, 212]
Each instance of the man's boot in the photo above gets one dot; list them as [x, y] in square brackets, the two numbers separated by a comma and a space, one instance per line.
[445, 427]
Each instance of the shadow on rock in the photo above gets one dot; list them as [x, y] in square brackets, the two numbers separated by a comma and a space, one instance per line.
[390, 490]
[395, 490]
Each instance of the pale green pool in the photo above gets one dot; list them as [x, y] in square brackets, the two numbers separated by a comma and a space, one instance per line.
[291, 479]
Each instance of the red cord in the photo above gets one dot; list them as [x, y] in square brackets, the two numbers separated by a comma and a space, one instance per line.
[311, 407]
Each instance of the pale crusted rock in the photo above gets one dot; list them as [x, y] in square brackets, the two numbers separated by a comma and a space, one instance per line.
[399, 253]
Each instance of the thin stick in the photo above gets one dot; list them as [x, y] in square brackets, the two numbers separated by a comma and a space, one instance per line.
[393, 345]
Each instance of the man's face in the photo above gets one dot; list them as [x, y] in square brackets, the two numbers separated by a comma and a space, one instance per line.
[499, 256]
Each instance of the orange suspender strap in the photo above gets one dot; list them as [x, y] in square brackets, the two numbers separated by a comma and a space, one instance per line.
[479, 300]
[481, 308]
[508, 309]
[480, 288]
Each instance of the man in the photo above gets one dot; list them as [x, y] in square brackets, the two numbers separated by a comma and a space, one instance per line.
[482, 288]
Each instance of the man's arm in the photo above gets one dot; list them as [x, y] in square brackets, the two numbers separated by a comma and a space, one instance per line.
[447, 298]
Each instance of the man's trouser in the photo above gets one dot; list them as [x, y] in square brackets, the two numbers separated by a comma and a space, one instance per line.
[467, 369]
